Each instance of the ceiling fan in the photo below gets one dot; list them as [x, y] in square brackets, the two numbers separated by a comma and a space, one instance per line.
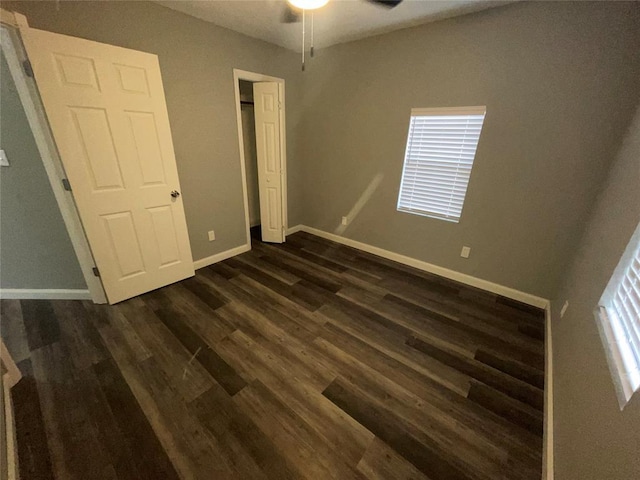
[294, 11]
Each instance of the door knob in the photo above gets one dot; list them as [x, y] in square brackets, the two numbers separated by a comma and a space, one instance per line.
[175, 194]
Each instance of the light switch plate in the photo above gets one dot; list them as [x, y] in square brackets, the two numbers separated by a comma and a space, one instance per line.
[212, 235]
[4, 161]
[466, 251]
[345, 221]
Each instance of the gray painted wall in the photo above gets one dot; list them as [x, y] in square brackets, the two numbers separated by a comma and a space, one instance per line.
[35, 249]
[196, 59]
[559, 79]
[594, 440]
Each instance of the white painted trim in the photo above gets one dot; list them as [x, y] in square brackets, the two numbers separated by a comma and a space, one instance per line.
[27, 91]
[470, 280]
[547, 454]
[7, 18]
[12, 374]
[11, 449]
[218, 257]
[258, 77]
[9, 379]
[44, 294]
[295, 229]
[283, 154]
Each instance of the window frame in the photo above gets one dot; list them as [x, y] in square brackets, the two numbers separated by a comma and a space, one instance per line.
[438, 111]
[626, 380]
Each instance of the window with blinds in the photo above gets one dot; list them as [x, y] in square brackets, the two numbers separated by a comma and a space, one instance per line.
[619, 315]
[441, 147]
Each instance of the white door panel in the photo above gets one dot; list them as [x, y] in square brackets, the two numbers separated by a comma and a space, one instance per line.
[267, 114]
[109, 119]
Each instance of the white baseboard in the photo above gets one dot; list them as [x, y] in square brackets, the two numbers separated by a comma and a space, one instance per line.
[218, 257]
[295, 229]
[547, 454]
[470, 280]
[44, 294]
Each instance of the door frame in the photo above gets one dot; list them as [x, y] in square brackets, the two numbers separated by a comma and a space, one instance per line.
[15, 55]
[258, 77]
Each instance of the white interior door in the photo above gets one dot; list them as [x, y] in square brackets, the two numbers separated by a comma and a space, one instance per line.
[267, 107]
[108, 116]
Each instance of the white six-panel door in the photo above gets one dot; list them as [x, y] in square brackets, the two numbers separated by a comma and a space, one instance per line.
[108, 116]
[267, 116]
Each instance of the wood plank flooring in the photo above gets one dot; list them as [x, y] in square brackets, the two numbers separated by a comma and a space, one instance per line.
[302, 360]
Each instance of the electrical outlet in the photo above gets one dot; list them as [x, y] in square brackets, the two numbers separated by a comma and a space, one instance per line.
[4, 161]
[564, 308]
[466, 251]
[345, 221]
[212, 235]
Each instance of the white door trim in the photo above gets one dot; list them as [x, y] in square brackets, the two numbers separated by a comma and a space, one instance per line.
[258, 77]
[14, 53]
[548, 472]
[11, 376]
[7, 18]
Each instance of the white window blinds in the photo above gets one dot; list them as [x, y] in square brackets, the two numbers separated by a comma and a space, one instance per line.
[441, 147]
[620, 313]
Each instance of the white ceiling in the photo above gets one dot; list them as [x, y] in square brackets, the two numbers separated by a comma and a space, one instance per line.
[338, 22]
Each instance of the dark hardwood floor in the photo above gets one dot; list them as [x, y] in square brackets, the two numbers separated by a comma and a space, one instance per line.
[302, 360]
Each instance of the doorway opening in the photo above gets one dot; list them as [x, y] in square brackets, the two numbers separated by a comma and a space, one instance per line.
[261, 134]
[250, 154]
[117, 188]
[44, 150]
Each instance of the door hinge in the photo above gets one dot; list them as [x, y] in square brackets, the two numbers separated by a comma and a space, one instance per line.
[28, 69]
[96, 272]
[66, 184]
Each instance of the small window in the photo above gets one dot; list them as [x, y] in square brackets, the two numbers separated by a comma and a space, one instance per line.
[619, 321]
[441, 147]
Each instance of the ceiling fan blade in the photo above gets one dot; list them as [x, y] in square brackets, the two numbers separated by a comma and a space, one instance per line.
[289, 14]
[386, 3]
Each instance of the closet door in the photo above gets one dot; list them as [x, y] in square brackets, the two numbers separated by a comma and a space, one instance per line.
[267, 107]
